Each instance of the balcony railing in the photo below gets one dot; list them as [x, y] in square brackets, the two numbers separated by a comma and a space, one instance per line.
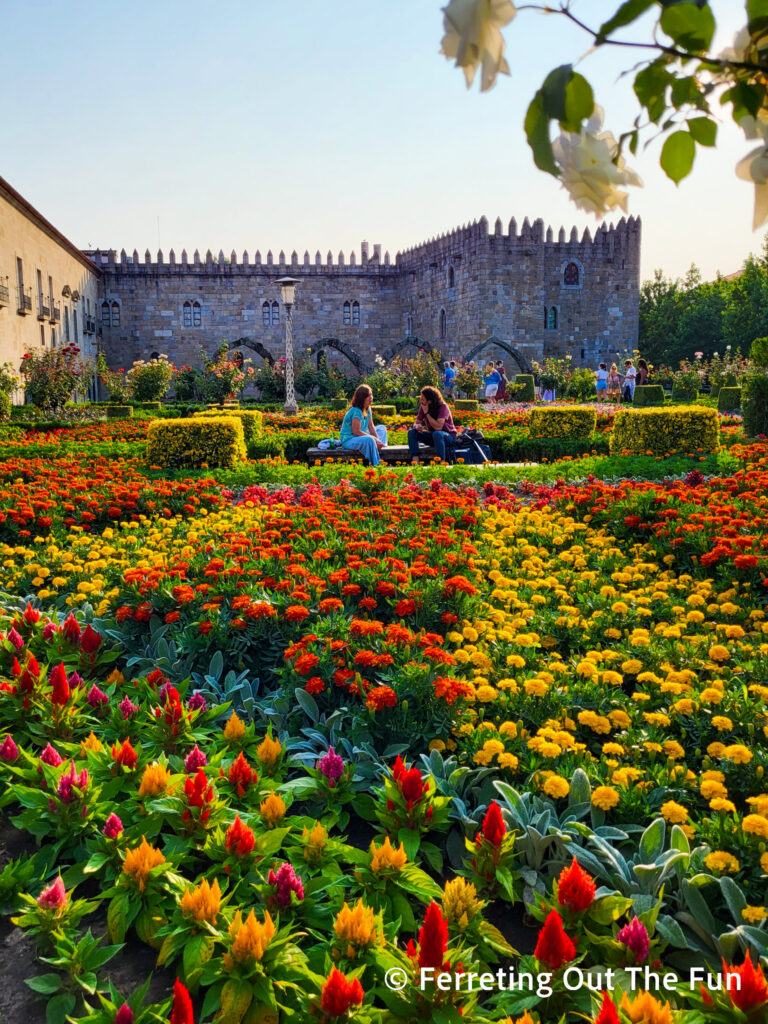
[56, 314]
[5, 295]
[25, 301]
[43, 310]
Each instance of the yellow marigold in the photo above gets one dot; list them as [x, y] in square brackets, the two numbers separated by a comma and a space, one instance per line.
[674, 812]
[268, 751]
[515, 661]
[712, 775]
[720, 804]
[386, 857]
[673, 750]
[508, 761]
[203, 902]
[90, 743]
[619, 719]
[460, 902]
[535, 687]
[438, 745]
[557, 787]
[753, 914]
[605, 797]
[493, 747]
[139, 862]
[508, 729]
[764, 863]
[711, 695]
[234, 730]
[624, 776]
[721, 862]
[632, 666]
[315, 842]
[759, 804]
[722, 723]
[755, 825]
[716, 749]
[645, 1009]
[355, 927]
[612, 678]
[719, 653]
[154, 780]
[272, 810]
[250, 938]
[711, 789]
[737, 753]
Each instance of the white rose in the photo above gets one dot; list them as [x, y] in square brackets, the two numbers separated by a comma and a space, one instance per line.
[754, 167]
[590, 169]
[473, 37]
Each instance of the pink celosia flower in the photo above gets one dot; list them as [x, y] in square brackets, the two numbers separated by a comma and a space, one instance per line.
[285, 880]
[112, 827]
[195, 759]
[51, 756]
[8, 750]
[54, 897]
[331, 766]
[635, 937]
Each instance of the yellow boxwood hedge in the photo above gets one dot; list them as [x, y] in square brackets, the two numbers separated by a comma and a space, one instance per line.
[571, 421]
[209, 440]
[682, 429]
[252, 420]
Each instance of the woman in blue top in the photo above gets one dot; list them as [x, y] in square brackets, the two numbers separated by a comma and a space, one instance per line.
[492, 381]
[357, 429]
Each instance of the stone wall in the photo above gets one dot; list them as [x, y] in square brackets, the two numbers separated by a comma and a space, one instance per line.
[473, 293]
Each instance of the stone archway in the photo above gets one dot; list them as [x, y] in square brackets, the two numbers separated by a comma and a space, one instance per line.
[257, 347]
[341, 346]
[408, 340]
[522, 362]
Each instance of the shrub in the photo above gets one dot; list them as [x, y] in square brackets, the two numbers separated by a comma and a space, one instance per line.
[148, 406]
[339, 403]
[5, 406]
[526, 379]
[728, 398]
[466, 404]
[224, 376]
[468, 380]
[384, 411]
[563, 422]
[187, 386]
[53, 377]
[150, 381]
[665, 431]
[681, 394]
[758, 352]
[252, 420]
[648, 394]
[119, 412]
[581, 385]
[267, 447]
[754, 403]
[212, 441]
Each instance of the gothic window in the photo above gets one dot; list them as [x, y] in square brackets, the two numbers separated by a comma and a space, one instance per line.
[346, 314]
[552, 318]
[572, 275]
[105, 315]
[275, 314]
[197, 314]
[115, 315]
[409, 325]
[355, 314]
[451, 277]
[443, 324]
[266, 316]
[187, 314]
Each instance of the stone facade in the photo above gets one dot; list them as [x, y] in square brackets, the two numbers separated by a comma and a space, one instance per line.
[471, 294]
[49, 290]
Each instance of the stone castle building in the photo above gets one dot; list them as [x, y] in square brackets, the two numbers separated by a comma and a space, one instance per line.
[473, 293]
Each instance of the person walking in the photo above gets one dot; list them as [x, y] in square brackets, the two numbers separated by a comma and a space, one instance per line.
[492, 380]
[601, 381]
[614, 383]
[501, 394]
[449, 378]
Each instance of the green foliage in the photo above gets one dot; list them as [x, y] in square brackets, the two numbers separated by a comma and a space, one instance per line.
[9, 379]
[54, 376]
[466, 404]
[270, 381]
[568, 422]
[384, 411]
[5, 406]
[754, 402]
[252, 420]
[468, 380]
[648, 394]
[729, 399]
[526, 382]
[150, 381]
[223, 376]
[581, 385]
[691, 429]
[119, 412]
[187, 386]
[214, 441]
[758, 352]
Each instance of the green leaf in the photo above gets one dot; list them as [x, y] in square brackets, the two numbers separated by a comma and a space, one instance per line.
[757, 15]
[579, 103]
[57, 1009]
[651, 86]
[677, 155]
[45, 984]
[117, 919]
[411, 840]
[537, 132]
[734, 897]
[652, 840]
[689, 26]
[626, 14]
[580, 788]
[703, 130]
[670, 931]
[308, 704]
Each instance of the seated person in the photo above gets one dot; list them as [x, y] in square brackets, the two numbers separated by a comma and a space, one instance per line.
[357, 429]
[434, 425]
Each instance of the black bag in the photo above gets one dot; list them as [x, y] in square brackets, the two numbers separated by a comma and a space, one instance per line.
[469, 449]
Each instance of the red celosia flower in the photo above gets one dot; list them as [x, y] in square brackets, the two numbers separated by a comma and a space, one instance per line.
[198, 793]
[575, 888]
[90, 640]
[71, 629]
[124, 1015]
[553, 947]
[750, 990]
[608, 1012]
[411, 785]
[54, 897]
[340, 994]
[239, 838]
[493, 829]
[58, 679]
[124, 754]
[241, 775]
[181, 1011]
[433, 939]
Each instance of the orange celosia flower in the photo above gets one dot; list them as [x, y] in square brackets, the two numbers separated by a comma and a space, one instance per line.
[386, 857]
[239, 839]
[272, 810]
[645, 1009]
[234, 730]
[268, 751]
[203, 902]
[123, 754]
[155, 780]
[355, 927]
[250, 939]
[90, 743]
[315, 842]
[139, 862]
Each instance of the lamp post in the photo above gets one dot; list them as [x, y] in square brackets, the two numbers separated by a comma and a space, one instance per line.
[287, 294]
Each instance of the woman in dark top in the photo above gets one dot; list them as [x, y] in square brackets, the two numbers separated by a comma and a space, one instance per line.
[433, 425]
[642, 372]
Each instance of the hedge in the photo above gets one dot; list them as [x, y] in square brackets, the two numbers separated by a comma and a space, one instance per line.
[728, 398]
[648, 394]
[148, 406]
[252, 420]
[518, 446]
[754, 403]
[466, 404]
[676, 429]
[211, 441]
[388, 411]
[119, 412]
[683, 394]
[563, 422]
[339, 403]
[528, 394]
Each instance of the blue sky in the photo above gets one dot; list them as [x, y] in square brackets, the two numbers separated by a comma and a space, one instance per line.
[306, 125]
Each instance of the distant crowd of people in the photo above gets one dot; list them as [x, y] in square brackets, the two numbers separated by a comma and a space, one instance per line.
[494, 378]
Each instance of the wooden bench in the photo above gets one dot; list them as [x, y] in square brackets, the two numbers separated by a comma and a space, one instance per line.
[392, 453]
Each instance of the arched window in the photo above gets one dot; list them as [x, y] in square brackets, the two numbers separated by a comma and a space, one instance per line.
[571, 275]
[552, 318]
[443, 324]
[409, 325]
[275, 314]
[115, 315]
[105, 315]
[197, 314]
[155, 355]
[451, 277]
[74, 326]
[42, 335]
[53, 337]
[355, 314]
[237, 359]
[66, 324]
[346, 317]
[187, 314]
[266, 316]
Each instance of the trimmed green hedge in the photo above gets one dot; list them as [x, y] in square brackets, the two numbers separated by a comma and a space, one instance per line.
[119, 412]
[648, 394]
[382, 411]
[252, 420]
[529, 392]
[194, 443]
[339, 403]
[728, 399]
[677, 429]
[571, 422]
[466, 404]
[754, 403]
